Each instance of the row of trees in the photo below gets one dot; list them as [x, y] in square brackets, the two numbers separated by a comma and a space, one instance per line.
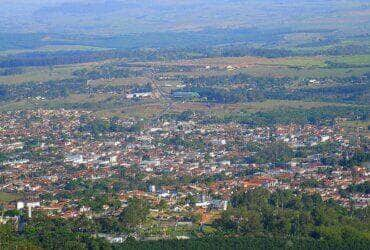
[243, 243]
[354, 93]
[363, 188]
[320, 115]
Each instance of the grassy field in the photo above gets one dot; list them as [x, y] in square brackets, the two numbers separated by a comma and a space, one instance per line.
[120, 81]
[304, 62]
[7, 197]
[52, 48]
[72, 100]
[279, 71]
[358, 60]
[41, 74]
[144, 110]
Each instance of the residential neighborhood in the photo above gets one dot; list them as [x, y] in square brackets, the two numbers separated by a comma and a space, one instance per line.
[70, 164]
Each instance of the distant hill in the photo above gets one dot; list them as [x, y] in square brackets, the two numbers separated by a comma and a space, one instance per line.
[132, 24]
[133, 16]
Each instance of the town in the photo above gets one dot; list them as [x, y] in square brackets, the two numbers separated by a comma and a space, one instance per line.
[70, 163]
[190, 125]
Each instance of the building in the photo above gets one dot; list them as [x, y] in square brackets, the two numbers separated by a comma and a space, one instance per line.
[139, 95]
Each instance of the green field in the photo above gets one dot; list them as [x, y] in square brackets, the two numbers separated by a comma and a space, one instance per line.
[304, 72]
[52, 48]
[7, 197]
[41, 74]
[357, 60]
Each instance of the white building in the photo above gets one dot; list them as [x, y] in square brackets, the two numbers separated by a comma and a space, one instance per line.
[20, 205]
[77, 159]
[152, 189]
[139, 95]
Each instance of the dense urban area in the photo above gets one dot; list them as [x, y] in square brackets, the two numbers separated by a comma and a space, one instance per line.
[213, 138]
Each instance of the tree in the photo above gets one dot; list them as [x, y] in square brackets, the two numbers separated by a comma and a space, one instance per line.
[275, 152]
[163, 205]
[196, 218]
[135, 213]
[252, 222]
